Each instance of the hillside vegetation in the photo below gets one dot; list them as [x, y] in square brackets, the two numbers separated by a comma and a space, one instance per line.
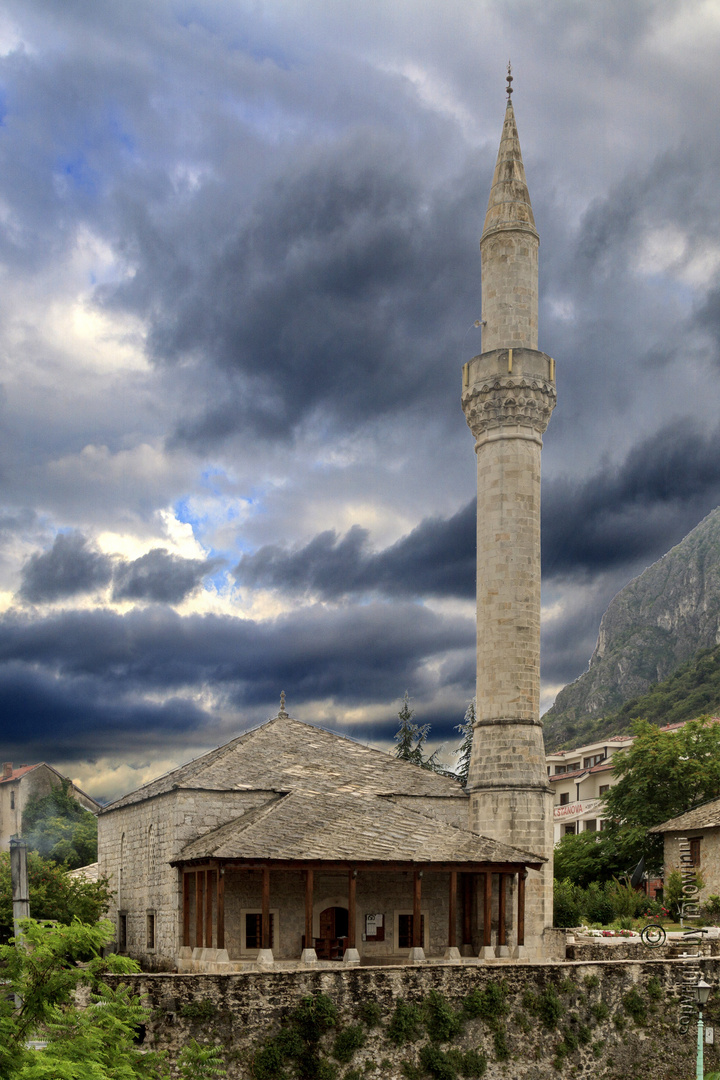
[691, 691]
[656, 624]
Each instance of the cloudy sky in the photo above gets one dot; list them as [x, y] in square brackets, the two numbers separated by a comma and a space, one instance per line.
[239, 275]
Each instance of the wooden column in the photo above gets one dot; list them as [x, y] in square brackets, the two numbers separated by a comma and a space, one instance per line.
[452, 910]
[266, 907]
[487, 919]
[501, 912]
[198, 909]
[521, 907]
[417, 911]
[221, 907]
[208, 908]
[309, 882]
[186, 907]
[352, 883]
[467, 882]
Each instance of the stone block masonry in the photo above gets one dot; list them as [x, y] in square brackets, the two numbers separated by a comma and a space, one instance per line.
[612, 1020]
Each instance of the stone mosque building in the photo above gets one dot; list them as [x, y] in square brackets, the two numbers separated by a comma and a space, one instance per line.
[292, 845]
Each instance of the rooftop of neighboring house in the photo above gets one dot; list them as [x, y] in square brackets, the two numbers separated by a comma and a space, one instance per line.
[9, 773]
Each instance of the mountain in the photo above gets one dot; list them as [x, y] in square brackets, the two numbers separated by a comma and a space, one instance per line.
[661, 620]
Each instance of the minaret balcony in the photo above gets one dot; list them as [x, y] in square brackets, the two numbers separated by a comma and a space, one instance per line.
[508, 390]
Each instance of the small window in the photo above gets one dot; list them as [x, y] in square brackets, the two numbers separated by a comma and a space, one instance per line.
[603, 788]
[150, 935]
[560, 769]
[570, 830]
[405, 931]
[122, 931]
[564, 798]
[591, 825]
[12, 800]
[695, 851]
[574, 767]
[253, 930]
[594, 759]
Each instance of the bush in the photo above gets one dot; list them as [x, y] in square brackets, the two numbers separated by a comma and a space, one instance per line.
[439, 1065]
[347, 1042]
[566, 904]
[442, 1023]
[370, 1013]
[489, 1004]
[405, 1024]
[625, 901]
[596, 904]
[634, 1005]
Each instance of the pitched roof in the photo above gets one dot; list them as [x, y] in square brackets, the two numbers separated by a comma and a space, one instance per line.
[706, 816]
[286, 754]
[306, 825]
[17, 773]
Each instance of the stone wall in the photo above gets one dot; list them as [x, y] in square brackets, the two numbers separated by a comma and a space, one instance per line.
[610, 1019]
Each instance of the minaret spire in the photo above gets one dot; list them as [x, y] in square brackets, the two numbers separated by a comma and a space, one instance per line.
[508, 396]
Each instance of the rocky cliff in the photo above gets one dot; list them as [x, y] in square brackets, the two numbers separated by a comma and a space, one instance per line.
[657, 622]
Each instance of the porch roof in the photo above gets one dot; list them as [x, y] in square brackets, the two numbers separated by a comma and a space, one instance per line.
[310, 826]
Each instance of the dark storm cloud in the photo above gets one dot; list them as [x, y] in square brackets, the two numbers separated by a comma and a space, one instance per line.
[160, 576]
[637, 511]
[71, 567]
[436, 559]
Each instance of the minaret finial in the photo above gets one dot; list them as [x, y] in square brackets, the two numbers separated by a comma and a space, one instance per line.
[282, 704]
[509, 80]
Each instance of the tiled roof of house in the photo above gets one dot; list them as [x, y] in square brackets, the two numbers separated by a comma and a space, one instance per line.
[17, 773]
[706, 816]
[304, 825]
[285, 754]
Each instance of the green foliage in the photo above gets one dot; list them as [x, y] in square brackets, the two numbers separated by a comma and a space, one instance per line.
[347, 1041]
[201, 1009]
[599, 856]
[662, 775]
[712, 905]
[465, 748]
[502, 1050]
[673, 894]
[600, 1011]
[297, 1042]
[200, 1062]
[566, 911]
[53, 895]
[58, 827]
[489, 1004]
[591, 982]
[405, 1024]
[635, 1006]
[624, 899]
[92, 1043]
[654, 988]
[547, 1006]
[370, 1013]
[442, 1022]
[314, 1016]
[437, 1064]
[411, 739]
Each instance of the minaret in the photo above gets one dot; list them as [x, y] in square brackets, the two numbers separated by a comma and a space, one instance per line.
[508, 396]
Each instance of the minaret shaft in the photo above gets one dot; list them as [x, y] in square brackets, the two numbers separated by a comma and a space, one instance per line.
[508, 396]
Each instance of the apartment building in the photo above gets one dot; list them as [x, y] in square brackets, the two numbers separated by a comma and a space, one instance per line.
[579, 777]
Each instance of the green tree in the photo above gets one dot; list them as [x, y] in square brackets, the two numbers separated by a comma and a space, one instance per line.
[663, 774]
[57, 826]
[53, 895]
[465, 748]
[92, 1043]
[411, 738]
[599, 856]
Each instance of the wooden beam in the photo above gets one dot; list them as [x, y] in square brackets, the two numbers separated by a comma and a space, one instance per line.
[352, 882]
[487, 917]
[452, 910]
[221, 907]
[501, 911]
[309, 941]
[521, 908]
[299, 865]
[266, 907]
[417, 910]
[467, 881]
[209, 875]
[186, 906]
[198, 910]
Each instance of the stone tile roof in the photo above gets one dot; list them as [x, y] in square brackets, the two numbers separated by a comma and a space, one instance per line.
[285, 754]
[306, 825]
[91, 872]
[706, 816]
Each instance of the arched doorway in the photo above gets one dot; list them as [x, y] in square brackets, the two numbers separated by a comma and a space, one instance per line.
[333, 933]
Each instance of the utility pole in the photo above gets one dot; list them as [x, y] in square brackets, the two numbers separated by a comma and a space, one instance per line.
[20, 888]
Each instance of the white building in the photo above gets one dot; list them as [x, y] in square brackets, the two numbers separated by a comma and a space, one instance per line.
[578, 778]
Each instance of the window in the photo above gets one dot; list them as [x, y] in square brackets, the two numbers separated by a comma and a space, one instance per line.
[695, 851]
[253, 930]
[591, 825]
[151, 852]
[150, 934]
[570, 830]
[560, 769]
[574, 767]
[122, 931]
[603, 788]
[594, 759]
[405, 931]
[12, 800]
[564, 798]
[604, 824]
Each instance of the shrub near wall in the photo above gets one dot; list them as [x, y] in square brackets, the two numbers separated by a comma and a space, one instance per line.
[610, 1020]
